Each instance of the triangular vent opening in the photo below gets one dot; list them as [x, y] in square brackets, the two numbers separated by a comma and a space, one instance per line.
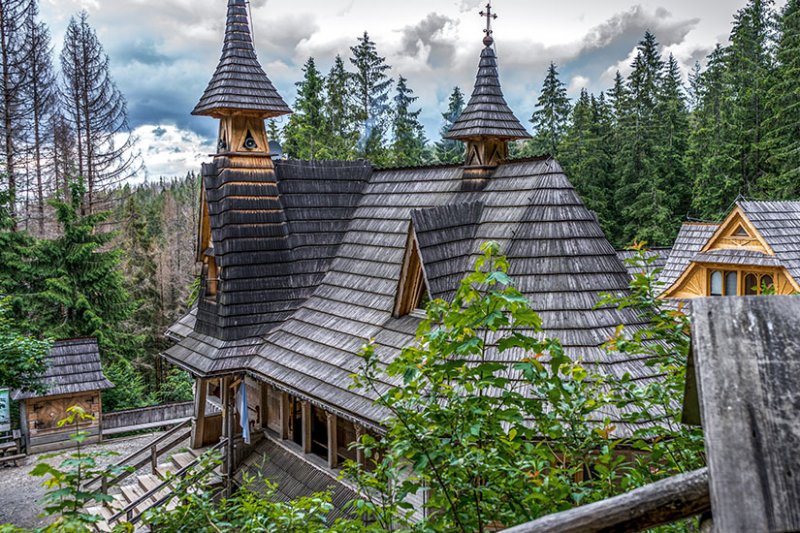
[740, 232]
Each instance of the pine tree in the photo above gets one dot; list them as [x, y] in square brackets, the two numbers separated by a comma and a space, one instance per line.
[672, 122]
[551, 118]
[587, 157]
[83, 290]
[372, 86]
[783, 107]
[41, 101]
[13, 76]
[274, 132]
[340, 112]
[449, 150]
[408, 141]
[306, 132]
[709, 157]
[750, 64]
[97, 112]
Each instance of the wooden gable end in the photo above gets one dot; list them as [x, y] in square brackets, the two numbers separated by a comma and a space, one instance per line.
[738, 233]
[413, 284]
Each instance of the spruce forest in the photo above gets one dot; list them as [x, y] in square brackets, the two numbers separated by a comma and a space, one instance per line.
[85, 253]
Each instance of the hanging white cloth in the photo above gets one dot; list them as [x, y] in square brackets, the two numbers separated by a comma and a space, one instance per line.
[244, 415]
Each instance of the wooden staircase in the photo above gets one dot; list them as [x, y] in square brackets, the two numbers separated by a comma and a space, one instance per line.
[150, 490]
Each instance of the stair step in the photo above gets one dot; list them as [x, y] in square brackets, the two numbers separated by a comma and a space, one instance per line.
[183, 459]
[131, 493]
[149, 481]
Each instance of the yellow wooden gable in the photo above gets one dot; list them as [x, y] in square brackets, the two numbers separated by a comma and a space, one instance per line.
[710, 278]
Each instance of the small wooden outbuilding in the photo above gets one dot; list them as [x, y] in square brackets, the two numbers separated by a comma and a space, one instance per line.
[73, 377]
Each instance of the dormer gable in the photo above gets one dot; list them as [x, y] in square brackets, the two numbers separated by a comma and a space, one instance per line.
[738, 233]
[412, 289]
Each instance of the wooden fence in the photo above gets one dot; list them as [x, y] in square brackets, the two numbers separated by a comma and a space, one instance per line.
[146, 418]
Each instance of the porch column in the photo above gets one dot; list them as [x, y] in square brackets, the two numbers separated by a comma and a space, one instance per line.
[199, 429]
[306, 410]
[360, 459]
[333, 450]
[263, 411]
[285, 414]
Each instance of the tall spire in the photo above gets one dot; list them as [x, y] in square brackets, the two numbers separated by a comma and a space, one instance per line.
[487, 114]
[240, 84]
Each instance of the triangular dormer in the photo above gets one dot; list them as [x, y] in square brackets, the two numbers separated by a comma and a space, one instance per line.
[412, 290]
[737, 233]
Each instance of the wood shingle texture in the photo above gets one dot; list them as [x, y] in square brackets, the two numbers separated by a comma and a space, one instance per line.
[559, 258]
[73, 367]
[239, 83]
[778, 222]
[690, 240]
[487, 114]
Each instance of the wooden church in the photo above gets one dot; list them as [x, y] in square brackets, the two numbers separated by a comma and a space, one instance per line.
[304, 261]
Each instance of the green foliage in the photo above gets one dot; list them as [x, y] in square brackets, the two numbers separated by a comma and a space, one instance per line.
[65, 499]
[21, 356]
[408, 143]
[551, 118]
[341, 112]
[130, 389]
[782, 138]
[83, 290]
[306, 133]
[371, 91]
[498, 426]
[177, 387]
[448, 150]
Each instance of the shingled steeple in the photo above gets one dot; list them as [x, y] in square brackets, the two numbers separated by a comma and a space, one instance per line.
[240, 85]
[487, 123]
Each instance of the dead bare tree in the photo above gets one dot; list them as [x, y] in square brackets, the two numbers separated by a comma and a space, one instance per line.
[97, 112]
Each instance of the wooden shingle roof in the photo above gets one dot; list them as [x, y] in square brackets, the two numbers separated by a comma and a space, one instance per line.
[239, 83]
[559, 258]
[487, 114]
[690, 240]
[660, 256]
[778, 222]
[73, 367]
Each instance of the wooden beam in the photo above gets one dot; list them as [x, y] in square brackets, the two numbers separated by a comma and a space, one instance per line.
[360, 459]
[285, 415]
[747, 361]
[263, 411]
[662, 502]
[333, 448]
[306, 410]
[199, 428]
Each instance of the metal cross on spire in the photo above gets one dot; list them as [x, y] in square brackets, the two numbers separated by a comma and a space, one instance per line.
[488, 40]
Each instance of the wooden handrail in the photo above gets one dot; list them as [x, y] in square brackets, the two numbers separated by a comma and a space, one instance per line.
[129, 509]
[662, 502]
[151, 447]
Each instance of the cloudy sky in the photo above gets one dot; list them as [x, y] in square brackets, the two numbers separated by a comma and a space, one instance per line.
[164, 51]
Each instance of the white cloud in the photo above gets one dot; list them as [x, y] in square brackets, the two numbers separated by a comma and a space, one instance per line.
[577, 83]
[170, 151]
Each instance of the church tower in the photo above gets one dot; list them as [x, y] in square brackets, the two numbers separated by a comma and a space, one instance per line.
[240, 94]
[240, 206]
[487, 124]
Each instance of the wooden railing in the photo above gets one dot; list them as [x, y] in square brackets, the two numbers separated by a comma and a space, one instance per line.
[131, 512]
[146, 417]
[148, 454]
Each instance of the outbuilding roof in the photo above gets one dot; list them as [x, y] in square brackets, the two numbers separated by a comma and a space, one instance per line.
[690, 240]
[73, 366]
[778, 222]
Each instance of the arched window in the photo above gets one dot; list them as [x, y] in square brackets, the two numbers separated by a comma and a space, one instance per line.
[766, 284]
[731, 283]
[716, 283]
[751, 287]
